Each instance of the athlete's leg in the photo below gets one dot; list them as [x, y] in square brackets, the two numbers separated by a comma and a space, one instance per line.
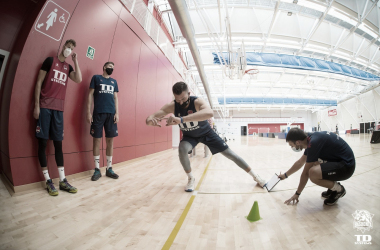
[183, 149]
[242, 164]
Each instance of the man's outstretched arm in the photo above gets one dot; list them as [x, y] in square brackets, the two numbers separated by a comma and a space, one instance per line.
[155, 119]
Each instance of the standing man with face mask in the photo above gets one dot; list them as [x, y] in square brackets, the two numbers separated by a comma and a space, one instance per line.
[104, 90]
[191, 114]
[336, 155]
[49, 107]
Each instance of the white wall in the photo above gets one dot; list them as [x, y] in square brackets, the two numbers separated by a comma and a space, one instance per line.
[367, 105]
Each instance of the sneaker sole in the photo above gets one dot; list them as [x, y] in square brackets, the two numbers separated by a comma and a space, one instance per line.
[95, 179]
[112, 177]
[189, 190]
[69, 191]
[331, 204]
[51, 193]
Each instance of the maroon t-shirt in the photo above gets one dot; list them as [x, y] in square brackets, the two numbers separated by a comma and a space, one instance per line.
[53, 90]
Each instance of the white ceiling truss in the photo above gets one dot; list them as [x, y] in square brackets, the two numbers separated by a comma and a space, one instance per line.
[342, 31]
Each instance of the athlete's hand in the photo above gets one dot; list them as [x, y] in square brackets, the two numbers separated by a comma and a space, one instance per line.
[74, 57]
[294, 198]
[281, 176]
[116, 118]
[36, 112]
[89, 118]
[153, 121]
[172, 120]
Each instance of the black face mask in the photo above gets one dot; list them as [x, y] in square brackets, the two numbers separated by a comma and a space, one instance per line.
[109, 71]
[184, 105]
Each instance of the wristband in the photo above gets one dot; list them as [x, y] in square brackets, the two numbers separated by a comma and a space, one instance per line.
[297, 193]
[286, 175]
[181, 119]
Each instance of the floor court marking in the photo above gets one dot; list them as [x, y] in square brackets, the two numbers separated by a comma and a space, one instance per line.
[182, 218]
[313, 185]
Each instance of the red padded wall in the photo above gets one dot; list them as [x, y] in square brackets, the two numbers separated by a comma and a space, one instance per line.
[144, 76]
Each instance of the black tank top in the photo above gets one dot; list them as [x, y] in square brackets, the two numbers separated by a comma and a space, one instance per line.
[192, 129]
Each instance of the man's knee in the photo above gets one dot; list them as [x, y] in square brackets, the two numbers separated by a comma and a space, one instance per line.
[315, 173]
[184, 148]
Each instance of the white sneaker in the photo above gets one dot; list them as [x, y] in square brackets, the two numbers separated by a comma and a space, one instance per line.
[190, 185]
[259, 180]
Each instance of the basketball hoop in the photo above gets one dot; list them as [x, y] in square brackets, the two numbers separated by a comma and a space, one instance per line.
[252, 73]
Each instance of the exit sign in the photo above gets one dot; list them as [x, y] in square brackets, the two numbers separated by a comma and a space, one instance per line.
[90, 52]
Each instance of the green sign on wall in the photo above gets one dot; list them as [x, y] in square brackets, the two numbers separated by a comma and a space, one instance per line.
[90, 52]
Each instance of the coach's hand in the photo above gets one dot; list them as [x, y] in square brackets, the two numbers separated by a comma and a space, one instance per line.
[36, 112]
[116, 118]
[89, 118]
[171, 120]
[153, 121]
[282, 176]
[293, 199]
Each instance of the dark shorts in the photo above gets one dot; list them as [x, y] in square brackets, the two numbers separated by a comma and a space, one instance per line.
[103, 120]
[50, 123]
[211, 140]
[337, 171]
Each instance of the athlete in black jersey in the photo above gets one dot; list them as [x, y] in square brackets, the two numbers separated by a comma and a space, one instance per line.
[327, 159]
[191, 114]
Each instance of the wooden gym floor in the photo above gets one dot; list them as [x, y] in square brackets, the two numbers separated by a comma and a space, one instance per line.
[141, 208]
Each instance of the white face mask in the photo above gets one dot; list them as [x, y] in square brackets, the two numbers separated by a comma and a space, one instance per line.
[66, 52]
[296, 150]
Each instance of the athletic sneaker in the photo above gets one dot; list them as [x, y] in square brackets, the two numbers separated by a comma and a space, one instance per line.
[50, 188]
[190, 185]
[111, 173]
[64, 185]
[259, 180]
[334, 196]
[327, 193]
[97, 174]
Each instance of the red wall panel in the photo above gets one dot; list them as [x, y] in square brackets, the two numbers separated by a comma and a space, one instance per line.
[88, 30]
[160, 134]
[144, 76]
[123, 154]
[146, 95]
[125, 54]
[143, 150]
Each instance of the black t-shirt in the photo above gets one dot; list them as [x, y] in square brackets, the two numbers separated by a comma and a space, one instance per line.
[46, 65]
[328, 147]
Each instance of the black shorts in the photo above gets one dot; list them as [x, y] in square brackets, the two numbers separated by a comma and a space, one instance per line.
[103, 120]
[211, 140]
[337, 171]
[50, 123]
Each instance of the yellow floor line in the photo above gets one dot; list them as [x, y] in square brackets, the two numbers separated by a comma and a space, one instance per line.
[177, 227]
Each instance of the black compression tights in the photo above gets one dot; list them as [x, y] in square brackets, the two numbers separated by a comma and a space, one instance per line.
[42, 152]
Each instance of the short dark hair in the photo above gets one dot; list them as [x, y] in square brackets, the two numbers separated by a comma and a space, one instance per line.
[105, 65]
[296, 134]
[72, 41]
[179, 87]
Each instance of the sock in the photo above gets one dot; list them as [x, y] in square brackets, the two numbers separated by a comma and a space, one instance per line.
[46, 175]
[190, 175]
[252, 174]
[337, 187]
[96, 160]
[61, 172]
[109, 161]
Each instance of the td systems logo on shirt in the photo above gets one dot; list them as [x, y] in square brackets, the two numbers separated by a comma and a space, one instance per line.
[59, 77]
[106, 89]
